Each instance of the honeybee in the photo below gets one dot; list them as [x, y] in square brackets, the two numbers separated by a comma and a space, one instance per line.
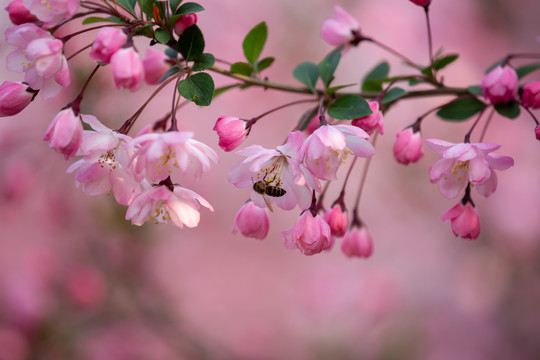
[262, 187]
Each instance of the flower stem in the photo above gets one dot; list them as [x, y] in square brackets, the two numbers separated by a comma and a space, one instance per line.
[363, 180]
[430, 40]
[490, 116]
[468, 135]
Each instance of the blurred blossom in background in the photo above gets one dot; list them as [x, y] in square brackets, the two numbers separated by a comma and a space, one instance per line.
[79, 282]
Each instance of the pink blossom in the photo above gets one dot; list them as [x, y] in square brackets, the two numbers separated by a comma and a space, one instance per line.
[108, 41]
[408, 146]
[464, 220]
[158, 155]
[500, 84]
[52, 12]
[127, 69]
[330, 145]
[342, 29]
[64, 134]
[310, 234]
[531, 95]
[19, 14]
[537, 132]
[280, 167]
[373, 121]
[466, 162]
[14, 97]
[421, 2]
[155, 66]
[252, 221]
[337, 219]
[161, 204]
[40, 56]
[184, 22]
[232, 132]
[357, 243]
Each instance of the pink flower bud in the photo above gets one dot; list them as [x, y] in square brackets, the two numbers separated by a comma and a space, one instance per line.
[357, 243]
[464, 220]
[108, 41]
[500, 84]
[408, 146]
[231, 131]
[337, 220]
[310, 234]
[342, 29]
[373, 121]
[19, 14]
[421, 2]
[127, 69]
[65, 133]
[537, 132]
[184, 22]
[252, 221]
[531, 95]
[155, 66]
[14, 97]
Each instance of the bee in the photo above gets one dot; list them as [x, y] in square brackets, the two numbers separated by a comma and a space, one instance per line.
[262, 187]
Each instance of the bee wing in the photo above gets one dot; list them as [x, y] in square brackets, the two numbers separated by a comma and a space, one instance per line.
[268, 203]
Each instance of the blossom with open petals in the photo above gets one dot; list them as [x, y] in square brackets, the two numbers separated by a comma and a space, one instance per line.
[464, 220]
[309, 234]
[52, 12]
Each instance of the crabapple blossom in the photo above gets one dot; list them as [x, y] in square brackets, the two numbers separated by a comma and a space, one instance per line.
[373, 121]
[466, 162]
[330, 145]
[14, 97]
[127, 69]
[155, 66]
[357, 243]
[500, 84]
[421, 2]
[252, 221]
[537, 132]
[52, 12]
[108, 41]
[531, 95]
[184, 22]
[169, 204]
[342, 29]
[464, 220]
[408, 146]
[337, 219]
[40, 56]
[231, 130]
[64, 134]
[310, 234]
[19, 14]
[280, 167]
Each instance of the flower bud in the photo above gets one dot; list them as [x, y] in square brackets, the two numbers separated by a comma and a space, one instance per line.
[531, 95]
[337, 220]
[310, 234]
[184, 22]
[500, 85]
[108, 41]
[231, 131]
[464, 220]
[342, 29]
[19, 14]
[357, 243]
[421, 2]
[155, 66]
[537, 132]
[14, 97]
[408, 146]
[252, 221]
[65, 133]
[127, 69]
[373, 121]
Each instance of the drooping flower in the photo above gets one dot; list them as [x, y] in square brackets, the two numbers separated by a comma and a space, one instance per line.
[330, 145]
[342, 29]
[64, 134]
[19, 14]
[500, 85]
[421, 2]
[184, 22]
[14, 97]
[309, 234]
[108, 41]
[531, 95]
[466, 162]
[52, 12]
[373, 121]
[464, 220]
[232, 132]
[337, 219]
[252, 221]
[40, 56]
[357, 243]
[537, 132]
[127, 68]
[408, 146]
[155, 66]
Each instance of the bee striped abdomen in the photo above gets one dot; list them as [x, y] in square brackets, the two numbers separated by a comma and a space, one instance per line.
[274, 191]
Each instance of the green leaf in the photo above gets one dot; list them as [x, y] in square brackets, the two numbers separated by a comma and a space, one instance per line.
[509, 109]
[254, 42]
[145, 30]
[174, 4]
[393, 94]
[242, 68]
[307, 73]
[329, 64]
[306, 118]
[129, 5]
[95, 19]
[188, 8]
[148, 8]
[198, 88]
[349, 107]
[441, 63]
[333, 89]
[173, 70]
[170, 52]
[162, 36]
[191, 43]
[475, 90]
[373, 80]
[527, 69]
[203, 62]
[265, 63]
[461, 109]
[223, 89]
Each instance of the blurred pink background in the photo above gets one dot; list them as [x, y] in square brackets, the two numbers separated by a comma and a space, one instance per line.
[79, 282]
